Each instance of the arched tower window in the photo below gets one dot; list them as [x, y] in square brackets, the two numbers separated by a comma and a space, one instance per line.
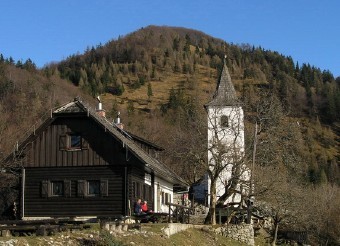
[224, 121]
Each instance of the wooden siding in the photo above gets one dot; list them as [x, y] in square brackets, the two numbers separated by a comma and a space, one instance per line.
[45, 150]
[46, 159]
[111, 205]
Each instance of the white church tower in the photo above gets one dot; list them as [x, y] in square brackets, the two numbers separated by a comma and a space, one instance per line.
[226, 139]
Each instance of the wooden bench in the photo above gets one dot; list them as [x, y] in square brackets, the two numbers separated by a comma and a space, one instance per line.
[39, 227]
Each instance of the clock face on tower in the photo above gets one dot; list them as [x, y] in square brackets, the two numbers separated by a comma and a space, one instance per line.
[224, 121]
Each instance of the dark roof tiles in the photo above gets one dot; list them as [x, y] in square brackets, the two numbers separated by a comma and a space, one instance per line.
[225, 94]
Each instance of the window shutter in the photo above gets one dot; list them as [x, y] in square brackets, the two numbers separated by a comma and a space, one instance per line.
[104, 191]
[63, 129]
[163, 198]
[67, 188]
[44, 188]
[166, 198]
[81, 189]
[62, 142]
[84, 143]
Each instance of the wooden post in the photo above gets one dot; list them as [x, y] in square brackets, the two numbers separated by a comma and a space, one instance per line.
[219, 216]
[41, 231]
[169, 219]
[23, 181]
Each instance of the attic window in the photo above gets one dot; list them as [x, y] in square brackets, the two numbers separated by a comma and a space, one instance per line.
[75, 141]
[72, 141]
[224, 121]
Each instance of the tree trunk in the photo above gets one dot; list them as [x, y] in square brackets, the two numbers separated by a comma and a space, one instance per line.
[211, 217]
[275, 233]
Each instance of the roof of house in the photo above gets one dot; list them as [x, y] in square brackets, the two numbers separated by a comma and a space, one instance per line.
[225, 94]
[77, 106]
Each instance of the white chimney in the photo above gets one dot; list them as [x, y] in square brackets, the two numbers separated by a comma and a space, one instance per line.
[100, 111]
[118, 118]
[118, 123]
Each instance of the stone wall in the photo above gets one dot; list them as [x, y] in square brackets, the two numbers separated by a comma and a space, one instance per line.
[173, 228]
[242, 232]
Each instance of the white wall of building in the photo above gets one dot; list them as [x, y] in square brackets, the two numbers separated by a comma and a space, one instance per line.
[163, 193]
[228, 140]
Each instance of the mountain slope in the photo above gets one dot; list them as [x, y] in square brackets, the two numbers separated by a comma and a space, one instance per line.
[156, 76]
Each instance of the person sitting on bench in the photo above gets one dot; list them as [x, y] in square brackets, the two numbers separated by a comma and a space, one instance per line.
[145, 207]
[138, 207]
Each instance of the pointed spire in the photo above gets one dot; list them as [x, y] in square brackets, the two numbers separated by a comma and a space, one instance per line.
[225, 94]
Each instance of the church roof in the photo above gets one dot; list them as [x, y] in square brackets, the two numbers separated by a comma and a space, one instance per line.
[225, 94]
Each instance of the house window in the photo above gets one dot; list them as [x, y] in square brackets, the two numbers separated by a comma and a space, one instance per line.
[57, 188]
[224, 121]
[147, 193]
[166, 198]
[72, 141]
[75, 141]
[93, 187]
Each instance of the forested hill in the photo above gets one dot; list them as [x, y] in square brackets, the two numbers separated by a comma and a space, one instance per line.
[160, 78]
[159, 52]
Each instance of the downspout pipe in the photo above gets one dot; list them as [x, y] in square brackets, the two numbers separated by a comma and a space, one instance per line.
[23, 180]
[126, 195]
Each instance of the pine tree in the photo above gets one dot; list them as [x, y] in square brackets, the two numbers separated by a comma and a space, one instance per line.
[150, 94]
[130, 108]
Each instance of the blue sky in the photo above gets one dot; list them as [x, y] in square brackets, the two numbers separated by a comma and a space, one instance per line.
[48, 31]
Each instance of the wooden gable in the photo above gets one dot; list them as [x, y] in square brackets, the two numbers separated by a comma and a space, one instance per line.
[52, 146]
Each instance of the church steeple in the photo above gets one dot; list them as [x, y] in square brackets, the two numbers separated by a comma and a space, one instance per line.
[225, 94]
[225, 139]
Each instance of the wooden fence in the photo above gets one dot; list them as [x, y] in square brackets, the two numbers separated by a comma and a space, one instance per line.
[179, 213]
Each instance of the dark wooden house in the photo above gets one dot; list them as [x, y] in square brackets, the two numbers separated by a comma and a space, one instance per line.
[78, 164]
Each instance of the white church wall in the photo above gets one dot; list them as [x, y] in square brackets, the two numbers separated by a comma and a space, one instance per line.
[228, 140]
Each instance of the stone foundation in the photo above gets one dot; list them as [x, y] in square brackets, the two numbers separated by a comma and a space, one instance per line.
[242, 232]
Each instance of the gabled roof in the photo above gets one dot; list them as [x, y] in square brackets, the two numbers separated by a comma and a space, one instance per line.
[77, 107]
[225, 94]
